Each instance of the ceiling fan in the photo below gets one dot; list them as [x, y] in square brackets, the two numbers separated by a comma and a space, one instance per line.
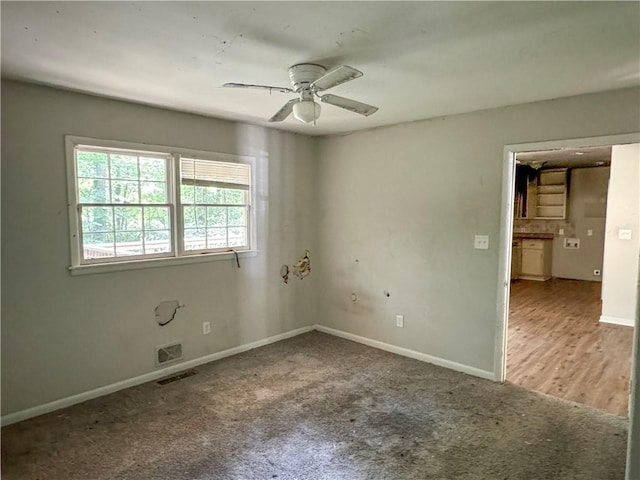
[307, 79]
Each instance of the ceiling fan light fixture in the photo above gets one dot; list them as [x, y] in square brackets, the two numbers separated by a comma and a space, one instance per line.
[306, 111]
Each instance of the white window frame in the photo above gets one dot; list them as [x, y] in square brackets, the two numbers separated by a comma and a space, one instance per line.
[178, 255]
[179, 205]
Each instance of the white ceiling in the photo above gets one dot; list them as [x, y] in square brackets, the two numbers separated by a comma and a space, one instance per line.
[420, 59]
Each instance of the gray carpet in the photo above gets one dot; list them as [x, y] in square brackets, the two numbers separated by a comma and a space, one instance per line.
[319, 407]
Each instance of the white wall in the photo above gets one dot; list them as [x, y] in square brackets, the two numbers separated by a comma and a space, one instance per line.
[620, 268]
[63, 335]
[399, 208]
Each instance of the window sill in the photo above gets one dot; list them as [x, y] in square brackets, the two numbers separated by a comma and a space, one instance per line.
[157, 262]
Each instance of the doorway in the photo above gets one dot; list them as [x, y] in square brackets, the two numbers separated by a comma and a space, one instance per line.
[552, 336]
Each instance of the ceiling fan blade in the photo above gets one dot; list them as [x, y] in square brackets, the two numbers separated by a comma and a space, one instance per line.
[260, 87]
[348, 104]
[342, 74]
[285, 111]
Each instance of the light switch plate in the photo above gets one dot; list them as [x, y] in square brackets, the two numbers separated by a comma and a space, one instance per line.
[589, 233]
[481, 242]
[624, 234]
[561, 231]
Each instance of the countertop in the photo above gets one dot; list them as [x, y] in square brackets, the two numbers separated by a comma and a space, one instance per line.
[538, 236]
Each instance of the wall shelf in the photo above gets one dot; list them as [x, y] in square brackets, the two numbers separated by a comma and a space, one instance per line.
[551, 194]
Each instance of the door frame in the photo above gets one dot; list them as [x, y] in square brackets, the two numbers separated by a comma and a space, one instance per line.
[506, 229]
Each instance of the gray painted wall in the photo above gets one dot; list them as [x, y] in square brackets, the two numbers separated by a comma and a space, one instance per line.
[586, 203]
[63, 335]
[586, 211]
[399, 208]
[392, 209]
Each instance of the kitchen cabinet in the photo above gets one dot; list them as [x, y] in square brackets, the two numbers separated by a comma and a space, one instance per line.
[540, 194]
[535, 260]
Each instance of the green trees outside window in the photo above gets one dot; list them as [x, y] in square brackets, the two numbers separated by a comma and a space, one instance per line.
[127, 209]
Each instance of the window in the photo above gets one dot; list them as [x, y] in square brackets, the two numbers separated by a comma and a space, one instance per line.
[123, 203]
[126, 204]
[215, 204]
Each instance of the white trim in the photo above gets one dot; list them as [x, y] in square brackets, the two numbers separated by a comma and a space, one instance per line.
[535, 278]
[633, 137]
[177, 255]
[72, 196]
[163, 149]
[506, 228]
[405, 352]
[158, 262]
[179, 367]
[504, 264]
[147, 377]
[627, 322]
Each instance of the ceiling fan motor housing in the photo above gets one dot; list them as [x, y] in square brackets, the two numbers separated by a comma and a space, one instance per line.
[303, 74]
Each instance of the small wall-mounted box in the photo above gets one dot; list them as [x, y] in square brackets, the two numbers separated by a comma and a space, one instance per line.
[481, 242]
[624, 234]
[572, 243]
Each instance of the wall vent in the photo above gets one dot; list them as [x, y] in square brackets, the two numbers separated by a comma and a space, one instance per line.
[168, 353]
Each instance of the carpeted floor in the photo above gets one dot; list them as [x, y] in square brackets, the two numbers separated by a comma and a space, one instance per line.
[319, 407]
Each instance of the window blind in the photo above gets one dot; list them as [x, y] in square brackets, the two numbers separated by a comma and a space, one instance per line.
[194, 171]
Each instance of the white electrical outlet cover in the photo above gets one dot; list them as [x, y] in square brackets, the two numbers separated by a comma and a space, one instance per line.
[481, 242]
[624, 234]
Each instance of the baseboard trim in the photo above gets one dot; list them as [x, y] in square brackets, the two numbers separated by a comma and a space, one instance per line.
[151, 376]
[535, 278]
[147, 377]
[405, 352]
[627, 322]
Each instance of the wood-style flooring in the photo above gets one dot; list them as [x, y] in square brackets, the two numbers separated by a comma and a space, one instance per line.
[557, 345]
